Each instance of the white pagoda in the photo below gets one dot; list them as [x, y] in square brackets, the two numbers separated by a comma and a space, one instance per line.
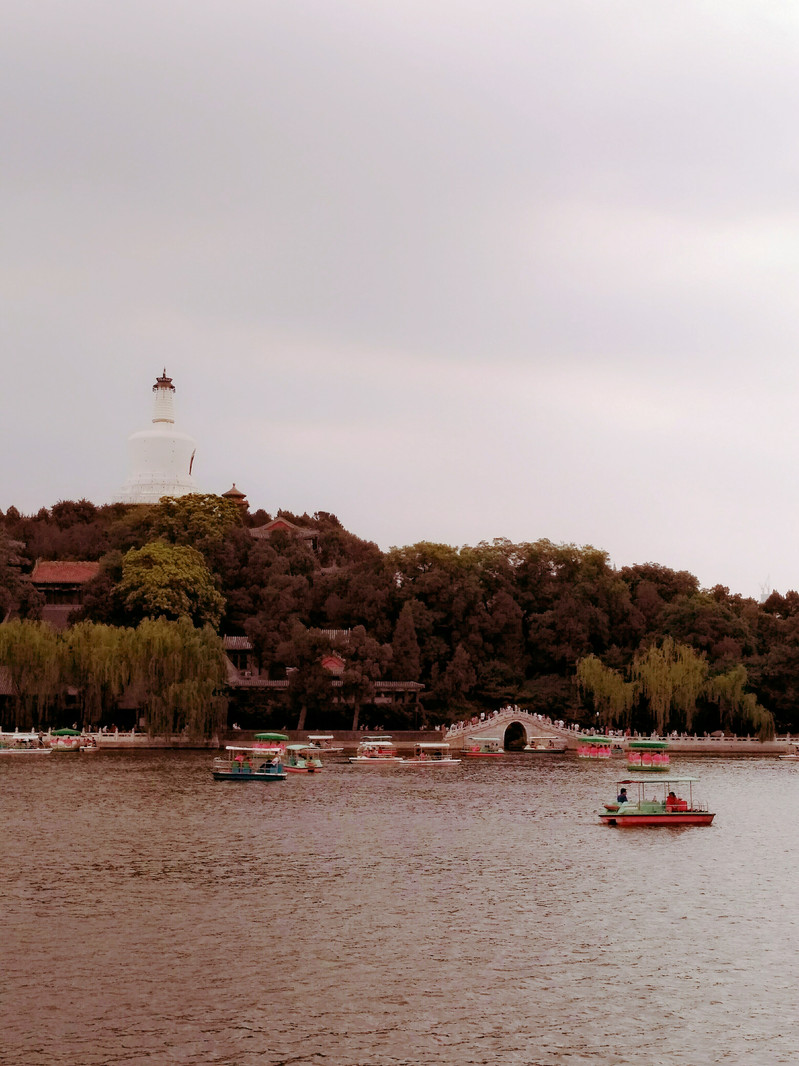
[160, 458]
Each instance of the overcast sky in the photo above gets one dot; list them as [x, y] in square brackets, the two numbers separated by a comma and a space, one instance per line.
[452, 270]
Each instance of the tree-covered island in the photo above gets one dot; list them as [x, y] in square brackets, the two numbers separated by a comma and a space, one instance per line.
[198, 612]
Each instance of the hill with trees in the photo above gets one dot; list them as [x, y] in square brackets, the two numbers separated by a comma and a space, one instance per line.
[554, 627]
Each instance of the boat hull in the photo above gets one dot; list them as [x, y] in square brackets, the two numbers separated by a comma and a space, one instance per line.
[26, 751]
[544, 751]
[482, 754]
[375, 764]
[431, 763]
[628, 821]
[225, 775]
[302, 769]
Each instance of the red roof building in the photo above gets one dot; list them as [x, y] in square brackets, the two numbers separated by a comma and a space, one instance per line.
[62, 584]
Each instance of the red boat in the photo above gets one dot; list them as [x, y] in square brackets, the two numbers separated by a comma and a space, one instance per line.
[666, 805]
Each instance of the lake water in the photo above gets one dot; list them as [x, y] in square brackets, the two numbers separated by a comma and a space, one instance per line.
[476, 915]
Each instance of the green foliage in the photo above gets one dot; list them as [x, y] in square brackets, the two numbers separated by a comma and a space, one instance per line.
[670, 680]
[178, 672]
[613, 697]
[31, 653]
[197, 518]
[475, 625]
[175, 671]
[170, 581]
[406, 662]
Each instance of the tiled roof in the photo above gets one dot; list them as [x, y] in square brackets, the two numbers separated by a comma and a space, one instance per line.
[54, 572]
[278, 524]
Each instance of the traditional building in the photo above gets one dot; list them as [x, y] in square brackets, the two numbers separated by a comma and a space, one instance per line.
[160, 458]
[237, 496]
[282, 525]
[62, 585]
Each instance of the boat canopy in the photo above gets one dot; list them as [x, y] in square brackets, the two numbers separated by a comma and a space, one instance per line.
[432, 744]
[302, 747]
[596, 740]
[648, 745]
[486, 740]
[251, 750]
[282, 737]
[661, 779]
[66, 733]
[321, 736]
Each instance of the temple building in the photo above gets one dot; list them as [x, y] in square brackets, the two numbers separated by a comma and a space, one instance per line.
[161, 457]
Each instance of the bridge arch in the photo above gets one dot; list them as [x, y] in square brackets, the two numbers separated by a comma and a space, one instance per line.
[515, 736]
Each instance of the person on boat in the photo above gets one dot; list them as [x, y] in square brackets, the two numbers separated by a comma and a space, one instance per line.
[671, 798]
[622, 796]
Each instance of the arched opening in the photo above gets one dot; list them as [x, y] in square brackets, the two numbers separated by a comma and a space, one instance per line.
[515, 737]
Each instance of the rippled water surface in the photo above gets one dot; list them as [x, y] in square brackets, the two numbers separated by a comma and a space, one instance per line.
[477, 915]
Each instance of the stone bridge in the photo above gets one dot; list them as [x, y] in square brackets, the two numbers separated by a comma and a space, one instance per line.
[498, 724]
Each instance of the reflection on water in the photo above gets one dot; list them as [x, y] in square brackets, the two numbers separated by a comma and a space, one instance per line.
[151, 915]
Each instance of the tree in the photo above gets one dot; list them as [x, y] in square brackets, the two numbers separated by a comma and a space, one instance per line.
[310, 685]
[31, 654]
[197, 518]
[97, 663]
[178, 673]
[612, 696]
[366, 660]
[170, 581]
[405, 648]
[16, 592]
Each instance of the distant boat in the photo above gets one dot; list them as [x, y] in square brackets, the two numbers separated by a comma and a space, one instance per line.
[375, 753]
[431, 755]
[302, 759]
[544, 746]
[483, 748]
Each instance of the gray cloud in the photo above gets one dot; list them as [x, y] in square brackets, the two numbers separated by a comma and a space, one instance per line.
[453, 271]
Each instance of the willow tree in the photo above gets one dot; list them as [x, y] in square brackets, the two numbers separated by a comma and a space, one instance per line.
[95, 663]
[672, 678]
[178, 674]
[737, 707]
[612, 696]
[30, 652]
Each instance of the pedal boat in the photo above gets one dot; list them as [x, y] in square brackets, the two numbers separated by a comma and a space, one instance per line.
[671, 809]
[483, 748]
[594, 748]
[647, 756]
[22, 744]
[544, 746]
[302, 759]
[68, 740]
[322, 741]
[430, 754]
[375, 753]
[262, 763]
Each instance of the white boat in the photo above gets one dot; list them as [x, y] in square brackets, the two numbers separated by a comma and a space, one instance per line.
[22, 744]
[375, 753]
[544, 746]
[431, 754]
[791, 754]
[323, 742]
